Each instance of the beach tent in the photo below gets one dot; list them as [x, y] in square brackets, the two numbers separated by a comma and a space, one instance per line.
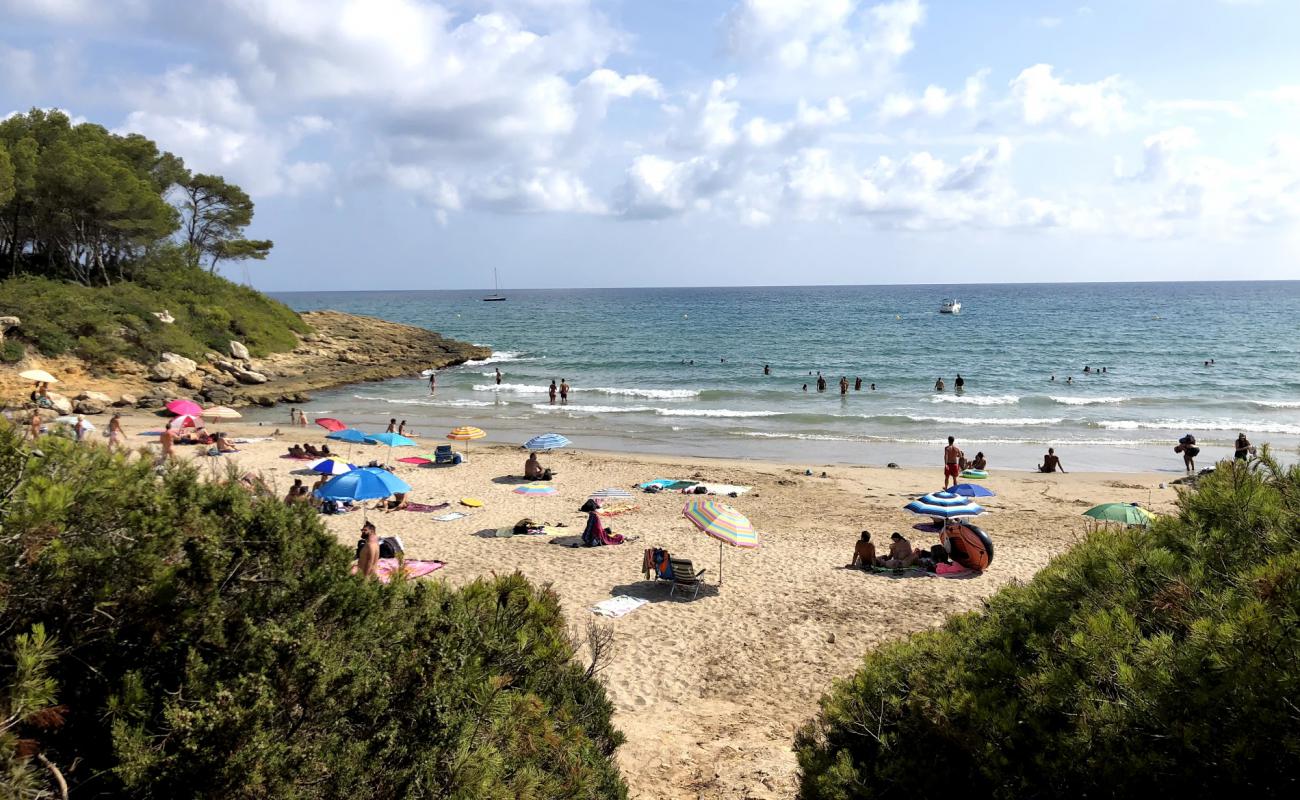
[723, 523]
[466, 434]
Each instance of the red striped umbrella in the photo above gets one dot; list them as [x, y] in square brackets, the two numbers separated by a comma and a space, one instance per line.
[330, 424]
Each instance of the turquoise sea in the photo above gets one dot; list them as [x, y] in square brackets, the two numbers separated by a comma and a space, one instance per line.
[680, 370]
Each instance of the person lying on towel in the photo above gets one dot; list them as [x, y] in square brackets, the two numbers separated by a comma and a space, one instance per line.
[533, 469]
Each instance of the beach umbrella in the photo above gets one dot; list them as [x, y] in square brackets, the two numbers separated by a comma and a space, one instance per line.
[181, 406]
[969, 490]
[722, 522]
[330, 424]
[367, 483]
[38, 375]
[466, 434]
[1124, 513]
[547, 441]
[350, 435]
[221, 412]
[184, 421]
[535, 489]
[329, 466]
[612, 493]
[944, 505]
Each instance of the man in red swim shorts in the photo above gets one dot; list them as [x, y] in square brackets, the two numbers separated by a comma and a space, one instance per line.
[952, 456]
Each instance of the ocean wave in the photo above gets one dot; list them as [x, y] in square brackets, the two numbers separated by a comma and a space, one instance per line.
[662, 412]
[647, 394]
[1195, 425]
[496, 358]
[977, 399]
[1010, 422]
[1275, 403]
[1087, 401]
[424, 401]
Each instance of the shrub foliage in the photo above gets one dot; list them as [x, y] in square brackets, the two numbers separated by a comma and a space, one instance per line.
[203, 642]
[1163, 661]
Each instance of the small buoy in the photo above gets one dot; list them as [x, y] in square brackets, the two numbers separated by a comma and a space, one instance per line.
[684, 316]
[898, 316]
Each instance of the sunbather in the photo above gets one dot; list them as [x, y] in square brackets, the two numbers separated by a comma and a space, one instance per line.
[900, 552]
[533, 470]
[296, 451]
[864, 552]
[224, 445]
[310, 449]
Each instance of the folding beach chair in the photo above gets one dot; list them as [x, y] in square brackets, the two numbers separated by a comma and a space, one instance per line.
[686, 576]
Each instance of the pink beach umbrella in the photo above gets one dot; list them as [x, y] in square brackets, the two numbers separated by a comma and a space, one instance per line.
[181, 406]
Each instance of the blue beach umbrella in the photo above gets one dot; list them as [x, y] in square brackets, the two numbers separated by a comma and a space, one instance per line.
[350, 435]
[944, 505]
[547, 441]
[330, 466]
[367, 483]
[392, 440]
[970, 490]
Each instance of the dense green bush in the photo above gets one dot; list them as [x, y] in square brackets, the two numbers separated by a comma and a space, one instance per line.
[105, 322]
[1163, 661]
[209, 643]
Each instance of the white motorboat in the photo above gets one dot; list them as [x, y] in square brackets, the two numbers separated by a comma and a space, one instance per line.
[950, 307]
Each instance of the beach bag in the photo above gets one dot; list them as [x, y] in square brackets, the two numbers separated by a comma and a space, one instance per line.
[522, 526]
[701, 490]
[330, 507]
[390, 547]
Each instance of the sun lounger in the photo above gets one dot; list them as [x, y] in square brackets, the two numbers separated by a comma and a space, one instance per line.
[686, 577]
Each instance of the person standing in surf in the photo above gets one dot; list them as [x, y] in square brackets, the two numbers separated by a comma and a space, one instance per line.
[564, 392]
[498, 376]
[844, 385]
[433, 383]
[552, 391]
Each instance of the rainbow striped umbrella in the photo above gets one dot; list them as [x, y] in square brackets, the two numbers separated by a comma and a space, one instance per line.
[723, 523]
[466, 434]
[535, 489]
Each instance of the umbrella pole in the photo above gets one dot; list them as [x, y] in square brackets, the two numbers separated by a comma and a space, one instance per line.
[719, 563]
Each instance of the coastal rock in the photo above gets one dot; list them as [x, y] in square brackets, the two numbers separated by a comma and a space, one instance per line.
[90, 407]
[164, 317]
[7, 324]
[46, 414]
[217, 394]
[61, 404]
[239, 351]
[193, 381]
[98, 397]
[250, 377]
[263, 400]
[172, 367]
[126, 400]
[151, 401]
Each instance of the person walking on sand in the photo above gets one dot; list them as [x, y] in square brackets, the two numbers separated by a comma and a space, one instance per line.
[551, 391]
[34, 426]
[844, 385]
[116, 438]
[498, 369]
[952, 456]
[166, 441]
[564, 392]
[1187, 446]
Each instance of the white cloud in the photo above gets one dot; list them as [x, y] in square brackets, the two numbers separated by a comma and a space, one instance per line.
[1282, 95]
[1049, 22]
[935, 101]
[1228, 108]
[840, 43]
[1158, 152]
[1045, 100]
[542, 189]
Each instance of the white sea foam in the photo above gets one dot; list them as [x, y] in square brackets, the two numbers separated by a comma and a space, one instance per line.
[662, 412]
[1011, 422]
[648, 394]
[1276, 403]
[496, 358]
[1199, 425]
[1087, 401]
[977, 399]
[424, 401]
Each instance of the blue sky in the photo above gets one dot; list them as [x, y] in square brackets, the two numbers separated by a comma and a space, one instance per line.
[413, 144]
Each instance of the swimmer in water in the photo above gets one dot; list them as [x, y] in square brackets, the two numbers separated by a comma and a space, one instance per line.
[938, 385]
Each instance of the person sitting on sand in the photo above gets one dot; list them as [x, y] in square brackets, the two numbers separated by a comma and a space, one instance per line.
[310, 449]
[401, 429]
[296, 451]
[392, 426]
[324, 451]
[292, 496]
[533, 470]
[901, 553]
[1241, 449]
[368, 551]
[396, 503]
[224, 445]
[1051, 462]
[864, 552]
[980, 462]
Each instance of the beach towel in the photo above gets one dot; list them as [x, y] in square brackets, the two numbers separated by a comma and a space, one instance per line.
[544, 530]
[618, 606]
[449, 517]
[386, 568]
[904, 572]
[424, 508]
[955, 571]
[724, 489]
[252, 439]
[670, 484]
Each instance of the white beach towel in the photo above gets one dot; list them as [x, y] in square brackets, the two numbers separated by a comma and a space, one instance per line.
[724, 489]
[618, 606]
[449, 517]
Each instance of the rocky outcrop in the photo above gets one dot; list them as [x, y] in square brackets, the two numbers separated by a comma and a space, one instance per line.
[61, 404]
[240, 352]
[126, 400]
[88, 406]
[7, 324]
[171, 367]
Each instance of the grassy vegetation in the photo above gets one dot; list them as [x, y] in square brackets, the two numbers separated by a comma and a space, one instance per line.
[102, 323]
[1164, 661]
[166, 637]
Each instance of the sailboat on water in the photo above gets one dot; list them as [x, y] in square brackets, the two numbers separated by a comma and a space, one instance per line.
[496, 295]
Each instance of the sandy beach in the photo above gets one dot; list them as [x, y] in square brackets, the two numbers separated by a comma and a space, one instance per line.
[709, 691]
